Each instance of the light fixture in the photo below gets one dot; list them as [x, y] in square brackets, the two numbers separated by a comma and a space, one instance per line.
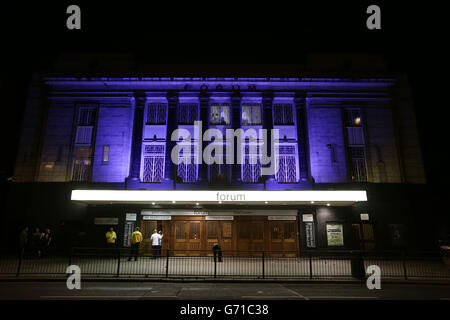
[266, 202]
[196, 204]
[312, 201]
[328, 204]
[220, 201]
[173, 201]
[153, 203]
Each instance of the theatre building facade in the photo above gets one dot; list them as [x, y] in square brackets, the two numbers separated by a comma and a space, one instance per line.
[307, 163]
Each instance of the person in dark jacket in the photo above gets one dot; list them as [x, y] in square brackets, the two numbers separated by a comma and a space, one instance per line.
[23, 241]
[217, 250]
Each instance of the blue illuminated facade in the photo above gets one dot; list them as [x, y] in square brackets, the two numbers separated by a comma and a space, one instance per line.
[117, 133]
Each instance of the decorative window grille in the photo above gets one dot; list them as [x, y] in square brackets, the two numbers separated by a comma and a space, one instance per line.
[283, 114]
[218, 173]
[153, 168]
[187, 168]
[187, 113]
[251, 114]
[219, 113]
[156, 113]
[355, 135]
[86, 117]
[153, 163]
[286, 165]
[82, 152]
[356, 145]
[358, 159]
[251, 167]
[82, 164]
[84, 135]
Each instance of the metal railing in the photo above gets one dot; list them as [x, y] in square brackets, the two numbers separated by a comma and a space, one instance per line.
[123, 262]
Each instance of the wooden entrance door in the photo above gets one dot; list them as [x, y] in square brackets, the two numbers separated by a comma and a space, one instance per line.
[283, 238]
[250, 236]
[188, 236]
[219, 232]
[363, 236]
[147, 227]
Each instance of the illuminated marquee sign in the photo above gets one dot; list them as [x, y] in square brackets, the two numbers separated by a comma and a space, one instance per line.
[146, 196]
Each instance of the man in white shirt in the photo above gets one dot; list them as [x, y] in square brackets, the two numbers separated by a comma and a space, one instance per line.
[156, 243]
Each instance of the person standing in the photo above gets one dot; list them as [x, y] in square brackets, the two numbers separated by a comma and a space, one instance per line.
[111, 238]
[156, 237]
[160, 243]
[217, 250]
[35, 242]
[47, 241]
[136, 239]
[23, 241]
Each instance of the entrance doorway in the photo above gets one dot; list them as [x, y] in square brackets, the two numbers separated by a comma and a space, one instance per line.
[283, 235]
[147, 228]
[363, 235]
[188, 237]
[219, 232]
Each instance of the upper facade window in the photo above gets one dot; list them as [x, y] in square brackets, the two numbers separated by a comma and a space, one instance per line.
[283, 114]
[187, 113]
[219, 113]
[251, 114]
[356, 145]
[286, 164]
[156, 113]
[82, 153]
[153, 162]
[86, 117]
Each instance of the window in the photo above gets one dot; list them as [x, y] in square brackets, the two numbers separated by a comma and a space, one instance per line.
[251, 167]
[82, 150]
[354, 117]
[358, 160]
[153, 164]
[82, 164]
[212, 227]
[105, 154]
[227, 228]
[286, 164]
[356, 145]
[194, 231]
[153, 168]
[283, 114]
[187, 113]
[86, 117]
[218, 173]
[156, 113]
[219, 113]
[251, 114]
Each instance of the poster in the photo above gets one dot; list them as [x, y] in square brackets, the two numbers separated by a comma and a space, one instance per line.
[335, 235]
[310, 235]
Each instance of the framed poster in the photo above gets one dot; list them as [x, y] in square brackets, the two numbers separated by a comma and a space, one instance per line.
[310, 235]
[335, 234]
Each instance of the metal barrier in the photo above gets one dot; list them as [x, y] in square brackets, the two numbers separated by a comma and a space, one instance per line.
[120, 262]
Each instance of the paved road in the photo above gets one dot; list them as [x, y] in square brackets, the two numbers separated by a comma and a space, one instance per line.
[229, 291]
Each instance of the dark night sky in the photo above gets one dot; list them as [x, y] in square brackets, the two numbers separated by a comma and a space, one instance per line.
[232, 38]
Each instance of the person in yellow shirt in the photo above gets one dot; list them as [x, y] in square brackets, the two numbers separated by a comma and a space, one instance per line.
[136, 239]
[111, 238]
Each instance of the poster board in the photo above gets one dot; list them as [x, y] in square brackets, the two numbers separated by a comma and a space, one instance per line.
[335, 234]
